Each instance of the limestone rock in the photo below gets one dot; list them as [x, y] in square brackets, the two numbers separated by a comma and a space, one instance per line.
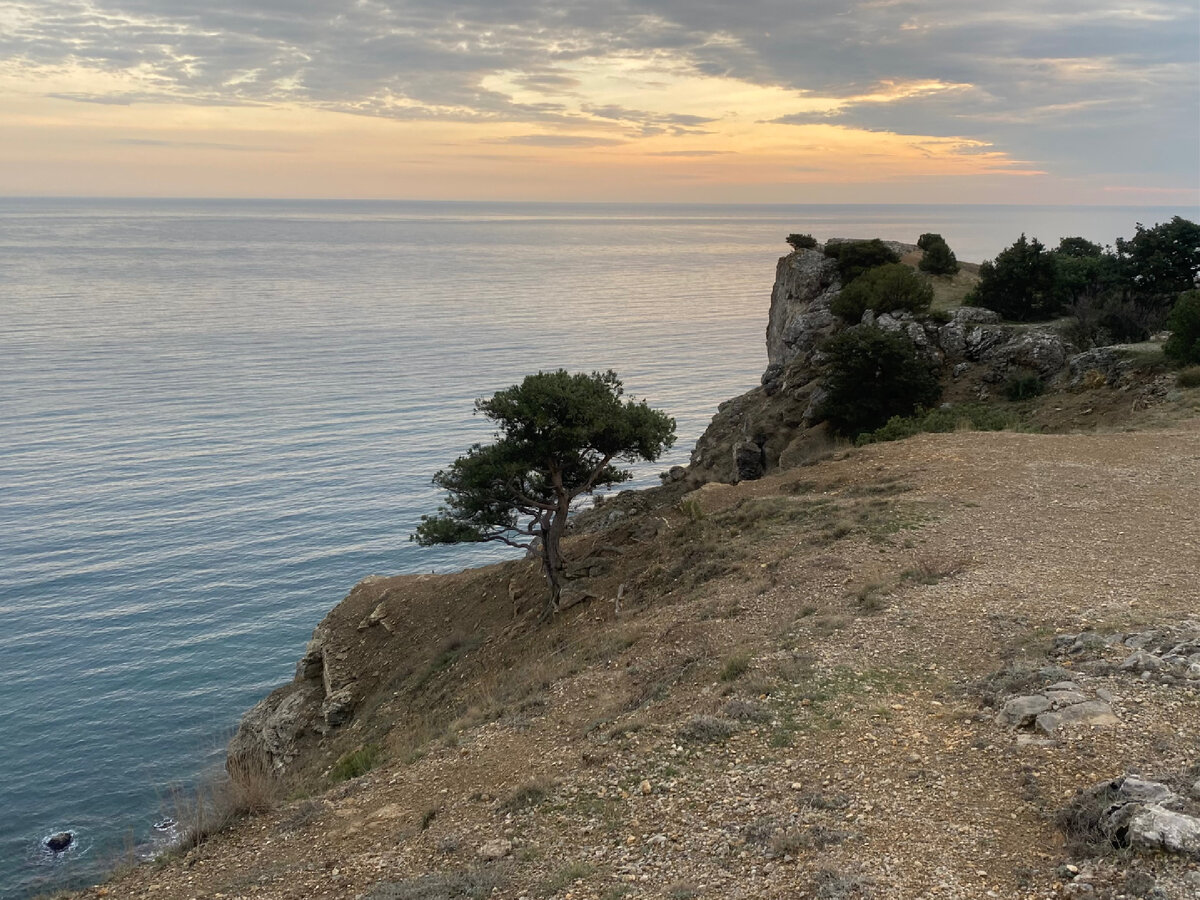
[1153, 827]
[496, 849]
[338, 707]
[1094, 712]
[311, 664]
[267, 735]
[805, 283]
[1021, 711]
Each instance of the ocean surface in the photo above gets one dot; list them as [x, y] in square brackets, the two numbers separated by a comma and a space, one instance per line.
[217, 416]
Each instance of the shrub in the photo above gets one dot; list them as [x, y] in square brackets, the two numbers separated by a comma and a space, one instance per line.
[706, 730]
[1189, 377]
[1183, 346]
[855, 257]
[928, 239]
[802, 241]
[872, 375]
[356, 762]
[736, 666]
[973, 416]
[1112, 319]
[938, 259]
[1023, 385]
[1021, 284]
[884, 289]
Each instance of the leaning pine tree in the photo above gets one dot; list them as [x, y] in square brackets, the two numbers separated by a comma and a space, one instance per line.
[558, 436]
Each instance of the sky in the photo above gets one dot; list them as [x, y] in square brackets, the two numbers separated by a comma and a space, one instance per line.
[751, 101]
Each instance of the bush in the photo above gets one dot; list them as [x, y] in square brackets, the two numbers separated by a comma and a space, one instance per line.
[938, 259]
[1189, 377]
[1112, 319]
[1021, 284]
[972, 416]
[855, 257]
[928, 239]
[1160, 262]
[884, 289]
[872, 375]
[355, 763]
[1183, 346]
[802, 241]
[1023, 386]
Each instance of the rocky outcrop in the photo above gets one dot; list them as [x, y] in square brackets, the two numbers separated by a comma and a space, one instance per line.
[1136, 813]
[322, 696]
[775, 425]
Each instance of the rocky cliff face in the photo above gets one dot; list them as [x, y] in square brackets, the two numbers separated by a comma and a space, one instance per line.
[774, 425]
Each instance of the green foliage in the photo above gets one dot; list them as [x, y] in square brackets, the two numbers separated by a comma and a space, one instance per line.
[558, 436]
[1183, 346]
[872, 375]
[886, 288]
[971, 416]
[1160, 262]
[928, 239]
[1021, 284]
[357, 762]
[802, 241]
[856, 257]
[1023, 386]
[1079, 248]
[938, 258]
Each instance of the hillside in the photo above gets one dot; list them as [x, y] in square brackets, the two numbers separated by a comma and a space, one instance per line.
[798, 697]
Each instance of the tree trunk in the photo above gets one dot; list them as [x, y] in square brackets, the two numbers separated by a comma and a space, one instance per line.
[552, 561]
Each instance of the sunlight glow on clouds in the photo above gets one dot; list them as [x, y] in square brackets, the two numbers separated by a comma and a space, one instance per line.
[864, 100]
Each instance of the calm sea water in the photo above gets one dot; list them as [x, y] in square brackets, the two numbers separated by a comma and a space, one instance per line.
[216, 417]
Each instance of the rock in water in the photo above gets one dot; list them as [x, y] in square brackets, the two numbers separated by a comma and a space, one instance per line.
[57, 843]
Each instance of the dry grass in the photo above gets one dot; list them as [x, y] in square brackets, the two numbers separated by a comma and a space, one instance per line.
[220, 799]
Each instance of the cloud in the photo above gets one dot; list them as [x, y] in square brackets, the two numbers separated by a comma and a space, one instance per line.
[1109, 85]
[558, 140]
[197, 145]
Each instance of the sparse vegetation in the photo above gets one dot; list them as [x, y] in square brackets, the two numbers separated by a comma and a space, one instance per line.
[472, 884]
[356, 762]
[736, 666]
[964, 417]
[802, 241]
[1189, 377]
[706, 730]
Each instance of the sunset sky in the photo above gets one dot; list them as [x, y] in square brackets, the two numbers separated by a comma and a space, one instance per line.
[682, 100]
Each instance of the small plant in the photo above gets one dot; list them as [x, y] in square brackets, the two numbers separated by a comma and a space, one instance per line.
[929, 568]
[428, 816]
[802, 241]
[1189, 377]
[736, 666]
[1023, 386]
[1183, 346]
[565, 877]
[526, 796]
[692, 508]
[740, 710]
[682, 890]
[872, 597]
[706, 730]
[356, 762]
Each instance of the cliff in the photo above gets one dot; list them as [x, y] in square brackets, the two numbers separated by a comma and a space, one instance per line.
[960, 665]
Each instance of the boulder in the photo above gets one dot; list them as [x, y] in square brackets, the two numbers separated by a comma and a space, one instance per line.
[1096, 713]
[1021, 711]
[57, 843]
[338, 707]
[748, 462]
[1150, 826]
[496, 849]
[805, 283]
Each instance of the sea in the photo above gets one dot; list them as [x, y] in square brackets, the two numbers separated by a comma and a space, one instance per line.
[216, 416]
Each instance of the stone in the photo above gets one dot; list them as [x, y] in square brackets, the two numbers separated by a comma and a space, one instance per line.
[377, 616]
[1020, 711]
[268, 732]
[1096, 713]
[1153, 827]
[1063, 686]
[495, 849]
[748, 462]
[1133, 788]
[1065, 698]
[1193, 672]
[57, 843]
[805, 283]
[1196, 791]
[676, 473]
[1141, 661]
[338, 707]
[311, 664]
